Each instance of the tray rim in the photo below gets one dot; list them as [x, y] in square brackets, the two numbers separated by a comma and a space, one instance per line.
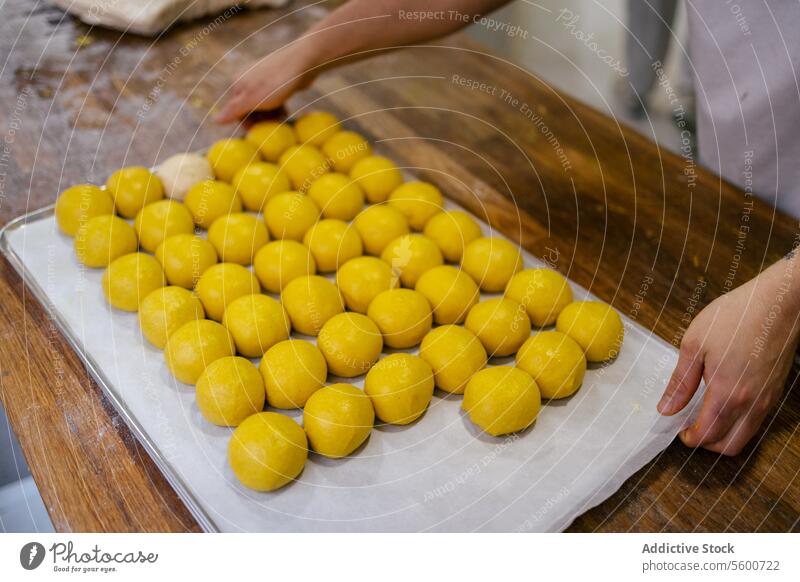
[205, 521]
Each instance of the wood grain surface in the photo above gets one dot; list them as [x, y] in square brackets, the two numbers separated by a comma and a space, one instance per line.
[646, 230]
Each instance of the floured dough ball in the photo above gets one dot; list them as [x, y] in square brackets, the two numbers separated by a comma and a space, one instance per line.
[180, 172]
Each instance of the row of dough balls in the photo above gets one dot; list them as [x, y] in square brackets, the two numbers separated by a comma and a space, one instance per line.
[349, 342]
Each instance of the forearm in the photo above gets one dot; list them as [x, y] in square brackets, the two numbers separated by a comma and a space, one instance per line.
[360, 26]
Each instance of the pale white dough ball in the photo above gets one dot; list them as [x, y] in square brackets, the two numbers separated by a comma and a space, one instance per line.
[182, 171]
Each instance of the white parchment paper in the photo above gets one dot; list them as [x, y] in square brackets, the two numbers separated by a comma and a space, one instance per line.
[437, 474]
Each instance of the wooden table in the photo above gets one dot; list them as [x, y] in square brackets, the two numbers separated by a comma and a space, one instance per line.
[646, 230]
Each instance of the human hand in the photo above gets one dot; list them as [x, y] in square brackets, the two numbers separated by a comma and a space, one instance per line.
[742, 344]
[266, 84]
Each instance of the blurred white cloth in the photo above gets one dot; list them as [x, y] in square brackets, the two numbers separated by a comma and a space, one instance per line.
[149, 17]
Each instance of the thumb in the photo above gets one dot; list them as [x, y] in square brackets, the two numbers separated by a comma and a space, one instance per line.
[684, 381]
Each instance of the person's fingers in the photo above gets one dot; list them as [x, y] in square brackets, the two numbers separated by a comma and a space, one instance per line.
[736, 438]
[684, 380]
[718, 413]
[233, 109]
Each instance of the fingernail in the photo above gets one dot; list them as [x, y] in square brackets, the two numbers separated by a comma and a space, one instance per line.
[663, 405]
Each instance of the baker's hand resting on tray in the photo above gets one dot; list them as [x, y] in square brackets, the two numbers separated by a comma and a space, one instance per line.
[355, 30]
[742, 344]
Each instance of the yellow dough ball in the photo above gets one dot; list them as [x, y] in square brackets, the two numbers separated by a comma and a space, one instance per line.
[452, 230]
[102, 239]
[228, 156]
[411, 255]
[491, 262]
[267, 451]
[221, 284]
[543, 292]
[165, 310]
[418, 202]
[303, 164]
[310, 302]
[193, 346]
[337, 196]
[229, 390]
[256, 183]
[555, 361]
[134, 188]
[378, 226]
[338, 419]
[237, 237]
[345, 148]
[402, 315]
[180, 172]
[160, 220]
[256, 323]
[351, 343]
[361, 279]
[400, 387]
[332, 242]
[184, 258]
[454, 354]
[209, 200]
[289, 215]
[77, 204]
[292, 370]
[595, 326]
[271, 139]
[130, 278]
[282, 261]
[502, 400]
[501, 324]
[450, 291]
[316, 127]
[377, 176]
